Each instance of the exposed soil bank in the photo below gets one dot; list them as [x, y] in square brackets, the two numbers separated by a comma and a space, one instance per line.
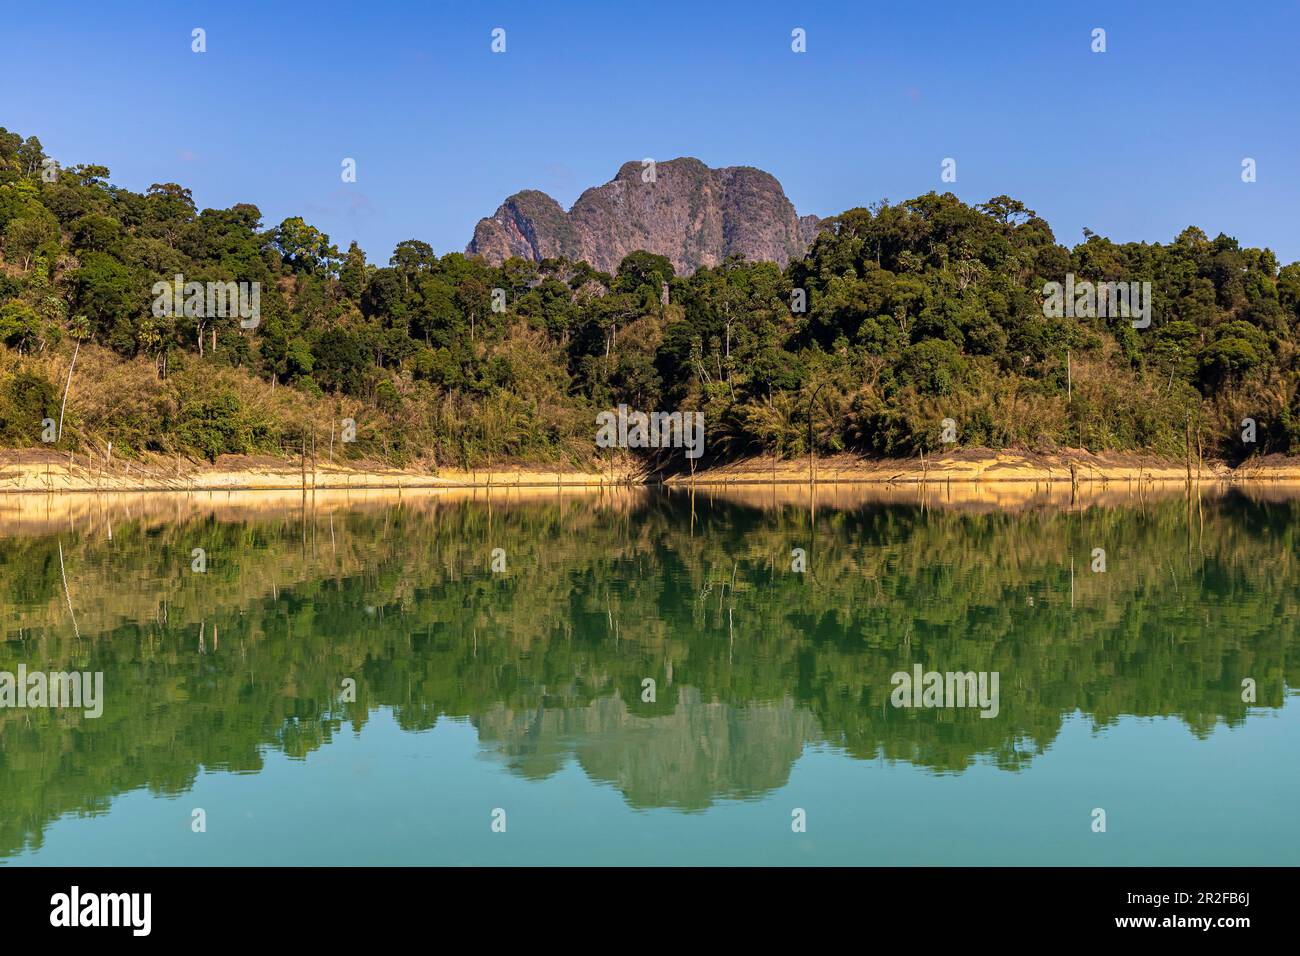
[40, 471]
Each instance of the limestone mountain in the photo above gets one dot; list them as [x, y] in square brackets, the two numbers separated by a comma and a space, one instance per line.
[694, 215]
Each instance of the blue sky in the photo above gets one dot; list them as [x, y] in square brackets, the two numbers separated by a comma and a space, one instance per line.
[1135, 143]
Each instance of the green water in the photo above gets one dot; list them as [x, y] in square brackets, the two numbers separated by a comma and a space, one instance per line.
[524, 690]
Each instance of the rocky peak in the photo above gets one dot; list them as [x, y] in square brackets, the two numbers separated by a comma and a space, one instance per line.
[694, 215]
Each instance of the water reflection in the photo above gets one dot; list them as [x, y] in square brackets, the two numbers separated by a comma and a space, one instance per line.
[752, 662]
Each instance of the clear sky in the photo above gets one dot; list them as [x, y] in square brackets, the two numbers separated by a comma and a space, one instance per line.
[1135, 143]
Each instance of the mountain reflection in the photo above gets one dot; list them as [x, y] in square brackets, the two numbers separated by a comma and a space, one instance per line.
[701, 751]
[752, 662]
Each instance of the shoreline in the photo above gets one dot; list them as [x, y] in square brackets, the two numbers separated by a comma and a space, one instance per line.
[98, 512]
[996, 466]
[38, 472]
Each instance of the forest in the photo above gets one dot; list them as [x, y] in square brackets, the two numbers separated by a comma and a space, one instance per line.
[901, 315]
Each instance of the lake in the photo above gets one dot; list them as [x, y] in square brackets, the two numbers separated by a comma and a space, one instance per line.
[645, 677]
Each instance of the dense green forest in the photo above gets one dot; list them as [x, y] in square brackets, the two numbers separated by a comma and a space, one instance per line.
[915, 312]
[753, 662]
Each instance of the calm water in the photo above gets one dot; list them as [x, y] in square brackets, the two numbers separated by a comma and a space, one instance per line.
[524, 690]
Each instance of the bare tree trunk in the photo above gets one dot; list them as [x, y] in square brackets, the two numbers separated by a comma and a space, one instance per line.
[66, 386]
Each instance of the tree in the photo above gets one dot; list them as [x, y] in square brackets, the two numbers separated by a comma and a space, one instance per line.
[304, 248]
[640, 269]
[95, 232]
[352, 276]
[24, 236]
[107, 292]
[21, 327]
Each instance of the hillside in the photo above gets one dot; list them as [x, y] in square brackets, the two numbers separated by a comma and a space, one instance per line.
[908, 327]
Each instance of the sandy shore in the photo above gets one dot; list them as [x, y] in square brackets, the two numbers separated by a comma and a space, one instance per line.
[36, 471]
[44, 472]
